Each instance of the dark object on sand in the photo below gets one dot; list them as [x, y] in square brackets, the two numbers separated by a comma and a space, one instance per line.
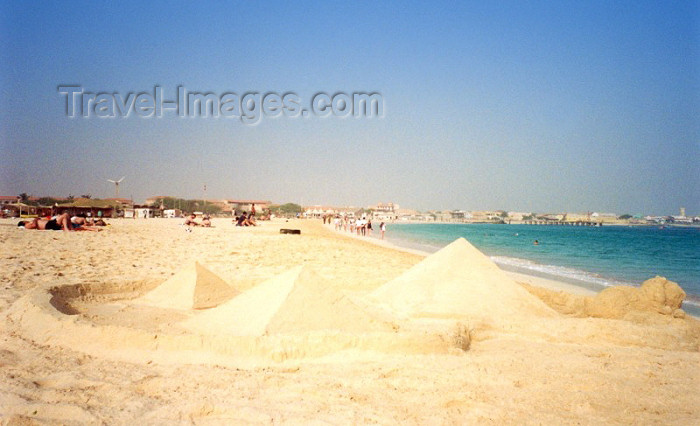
[290, 231]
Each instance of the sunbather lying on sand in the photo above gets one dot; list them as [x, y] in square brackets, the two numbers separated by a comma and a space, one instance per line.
[60, 222]
[79, 221]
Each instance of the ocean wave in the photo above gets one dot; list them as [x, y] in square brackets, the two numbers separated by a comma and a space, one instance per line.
[575, 276]
[579, 277]
[691, 299]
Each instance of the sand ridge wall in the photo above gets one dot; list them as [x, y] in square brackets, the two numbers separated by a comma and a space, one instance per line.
[35, 317]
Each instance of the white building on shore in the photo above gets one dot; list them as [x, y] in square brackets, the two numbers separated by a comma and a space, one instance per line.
[385, 212]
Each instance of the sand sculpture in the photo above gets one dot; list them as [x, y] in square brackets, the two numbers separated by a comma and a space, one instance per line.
[193, 287]
[459, 282]
[431, 308]
[298, 300]
[657, 295]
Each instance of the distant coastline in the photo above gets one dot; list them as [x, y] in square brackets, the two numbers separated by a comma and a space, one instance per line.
[467, 222]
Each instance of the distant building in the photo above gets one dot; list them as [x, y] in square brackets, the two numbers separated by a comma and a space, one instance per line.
[87, 207]
[442, 216]
[682, 220]
[415, 216]
[13, 199]
[226, 205]
[517, 216]
[385, 207]
[385, 211]
[172, 213]
[18, 209]
[319, 211]
[485, 216]
[141, 212]
[603, 215]
[9, 199]
[124, 202]
[405, 214]
[578, 217]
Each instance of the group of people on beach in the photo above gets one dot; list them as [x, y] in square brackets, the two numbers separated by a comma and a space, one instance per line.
[242, 219]
[63, 222]
[245, 219]
[361, 226]
[249, 219]
[191, 221]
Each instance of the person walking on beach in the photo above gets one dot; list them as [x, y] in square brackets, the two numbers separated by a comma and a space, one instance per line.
[360, 226]
[382, 229]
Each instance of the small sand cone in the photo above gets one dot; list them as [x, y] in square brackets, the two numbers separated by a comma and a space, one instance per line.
[192, 287]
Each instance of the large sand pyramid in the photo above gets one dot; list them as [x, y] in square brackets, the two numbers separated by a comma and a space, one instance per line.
[192, 287]
[459, 282]
[295, 301]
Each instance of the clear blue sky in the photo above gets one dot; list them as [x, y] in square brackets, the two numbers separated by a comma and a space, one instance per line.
[527, 106]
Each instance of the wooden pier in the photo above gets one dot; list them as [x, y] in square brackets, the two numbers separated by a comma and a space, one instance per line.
[562, 223]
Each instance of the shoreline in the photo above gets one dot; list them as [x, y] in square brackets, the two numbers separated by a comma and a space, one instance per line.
[541, 279]
[602, 224]
[520, 276]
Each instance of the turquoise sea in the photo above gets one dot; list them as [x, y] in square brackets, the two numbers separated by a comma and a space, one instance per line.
[593, 257]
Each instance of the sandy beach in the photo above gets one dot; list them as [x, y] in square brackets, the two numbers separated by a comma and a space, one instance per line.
[144, 322]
